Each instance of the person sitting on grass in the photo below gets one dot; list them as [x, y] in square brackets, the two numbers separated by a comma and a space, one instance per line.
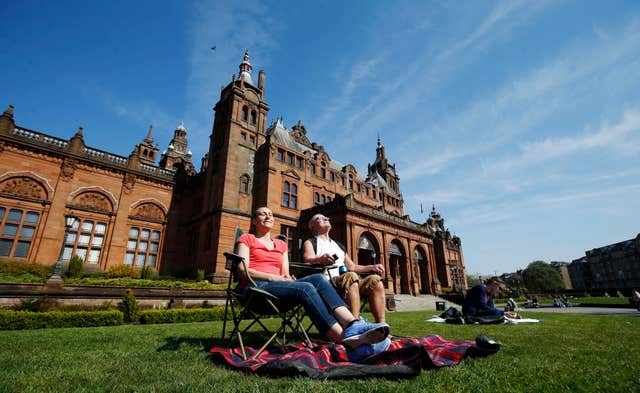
[267, 261]
[322, 250]
[479, 300]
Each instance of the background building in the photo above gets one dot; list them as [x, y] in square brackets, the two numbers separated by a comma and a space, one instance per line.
[177, 220]
[612, 267]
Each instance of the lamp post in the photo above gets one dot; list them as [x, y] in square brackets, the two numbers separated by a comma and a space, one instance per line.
[70, 219]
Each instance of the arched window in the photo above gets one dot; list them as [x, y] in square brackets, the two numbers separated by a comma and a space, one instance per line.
[143, 247]
[17, 230]
[254, 117]
[316, 199]
[312, 169]
[323, 170]
[245, 113]
[323, 199]
[244, 184]
[85, 239]
[351, 182]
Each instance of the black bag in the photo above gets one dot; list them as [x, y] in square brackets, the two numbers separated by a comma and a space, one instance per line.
[453, 315]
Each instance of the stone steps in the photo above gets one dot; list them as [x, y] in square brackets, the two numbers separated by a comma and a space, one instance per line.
[420, 303]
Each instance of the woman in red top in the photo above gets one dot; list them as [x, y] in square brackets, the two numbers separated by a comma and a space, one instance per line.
[268, 264]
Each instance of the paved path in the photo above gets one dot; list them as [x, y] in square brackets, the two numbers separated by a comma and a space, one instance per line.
[586, 310]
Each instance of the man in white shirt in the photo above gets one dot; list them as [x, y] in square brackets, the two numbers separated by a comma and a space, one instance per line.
[321, 250]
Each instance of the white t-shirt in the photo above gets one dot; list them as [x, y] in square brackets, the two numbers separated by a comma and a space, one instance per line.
[330, 247]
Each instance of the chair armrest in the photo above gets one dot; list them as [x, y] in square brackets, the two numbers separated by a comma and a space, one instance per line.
[301, 269]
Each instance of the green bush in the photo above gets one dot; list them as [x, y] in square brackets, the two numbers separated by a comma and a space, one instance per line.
[17, 320]
[75, 267]
[200, 275]
[130, 282]
[182, 315]
[129, 307]
[35, 304]
[123, 271]
[147, 272]
[16, 268]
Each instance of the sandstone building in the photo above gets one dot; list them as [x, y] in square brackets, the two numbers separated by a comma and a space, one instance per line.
[177, 220]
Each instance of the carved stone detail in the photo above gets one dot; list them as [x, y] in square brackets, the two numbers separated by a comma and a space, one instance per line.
[128, 182]
[68, 168]
[93, 201]
[23, 186]
[149, 210]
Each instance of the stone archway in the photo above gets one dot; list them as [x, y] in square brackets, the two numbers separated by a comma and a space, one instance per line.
[368, 249]
[423, 268]
[398, 265]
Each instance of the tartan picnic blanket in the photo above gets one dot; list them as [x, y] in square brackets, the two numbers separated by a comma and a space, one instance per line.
[405, 358]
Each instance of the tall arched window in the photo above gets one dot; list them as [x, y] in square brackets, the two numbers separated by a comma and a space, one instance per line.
[316, 199]
[323, 170]
[245, 113]
[350, 182]
[85, 239]
[244, 184]
[254, 117]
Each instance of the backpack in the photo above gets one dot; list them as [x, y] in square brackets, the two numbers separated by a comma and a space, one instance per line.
[453, 315]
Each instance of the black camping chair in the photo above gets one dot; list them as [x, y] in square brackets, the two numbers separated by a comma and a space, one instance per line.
[247, 308]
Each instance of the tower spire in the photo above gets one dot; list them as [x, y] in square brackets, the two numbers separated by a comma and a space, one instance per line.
[245, 68]
[149, 138]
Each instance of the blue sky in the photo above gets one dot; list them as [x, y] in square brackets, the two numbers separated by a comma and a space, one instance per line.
[519, 120]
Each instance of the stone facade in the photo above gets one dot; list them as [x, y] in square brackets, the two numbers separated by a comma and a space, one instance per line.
[178, 220]
[612, 267]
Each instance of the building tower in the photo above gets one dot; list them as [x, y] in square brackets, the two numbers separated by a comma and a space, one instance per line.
[177, 154]
[239, 128]
[146, 152]
[384, 175]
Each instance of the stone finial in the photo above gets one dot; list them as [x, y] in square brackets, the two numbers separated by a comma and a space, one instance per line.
[76, 143]
[9, 111]
[6, 121]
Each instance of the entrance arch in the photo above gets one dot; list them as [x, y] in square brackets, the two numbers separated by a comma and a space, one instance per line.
[423, 267]
[368, 250]
[399, 267]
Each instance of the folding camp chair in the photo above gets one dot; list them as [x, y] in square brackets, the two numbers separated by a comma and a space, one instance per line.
[246, 308]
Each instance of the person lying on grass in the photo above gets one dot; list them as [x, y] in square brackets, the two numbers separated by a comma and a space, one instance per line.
[479, 300]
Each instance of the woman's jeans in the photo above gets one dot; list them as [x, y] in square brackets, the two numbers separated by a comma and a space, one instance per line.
[316, 294]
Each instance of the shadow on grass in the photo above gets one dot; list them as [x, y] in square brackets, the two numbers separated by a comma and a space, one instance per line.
[206, 343]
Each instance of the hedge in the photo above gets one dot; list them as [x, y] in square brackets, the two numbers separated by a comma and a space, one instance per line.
[16, 320]
[180, 315]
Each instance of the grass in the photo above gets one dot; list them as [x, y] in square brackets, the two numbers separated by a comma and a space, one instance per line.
[566, 352]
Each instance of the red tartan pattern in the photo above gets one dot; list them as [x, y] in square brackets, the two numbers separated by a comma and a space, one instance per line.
[403, 350]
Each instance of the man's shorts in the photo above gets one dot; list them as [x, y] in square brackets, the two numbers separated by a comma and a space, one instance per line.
[366, 284]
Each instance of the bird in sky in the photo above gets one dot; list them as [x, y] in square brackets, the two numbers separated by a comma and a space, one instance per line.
[213, 47]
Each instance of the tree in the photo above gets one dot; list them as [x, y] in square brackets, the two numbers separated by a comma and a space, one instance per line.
[539, 277]
[473, 279]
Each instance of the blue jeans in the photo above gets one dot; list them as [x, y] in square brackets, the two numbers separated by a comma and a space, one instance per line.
[315, 292]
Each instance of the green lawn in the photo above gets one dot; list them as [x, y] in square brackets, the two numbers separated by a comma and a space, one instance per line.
[569, 353]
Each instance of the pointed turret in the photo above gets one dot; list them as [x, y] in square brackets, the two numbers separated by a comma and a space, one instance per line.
[146, 151]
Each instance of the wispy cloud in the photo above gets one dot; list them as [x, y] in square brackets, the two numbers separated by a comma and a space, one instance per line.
[608, 137]
[521, 105]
